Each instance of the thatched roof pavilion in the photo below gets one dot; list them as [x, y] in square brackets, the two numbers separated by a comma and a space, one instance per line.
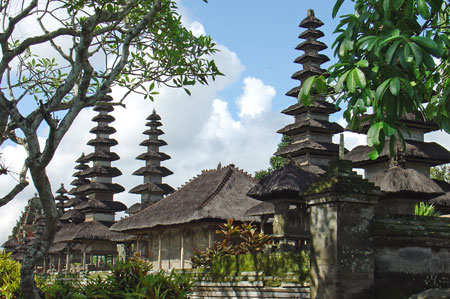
[286, 183]
[217, 194]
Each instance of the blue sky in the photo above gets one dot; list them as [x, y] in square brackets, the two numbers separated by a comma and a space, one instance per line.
[264, 35]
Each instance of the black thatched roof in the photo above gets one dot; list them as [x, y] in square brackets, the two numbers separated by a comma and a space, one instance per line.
[10, 243]
[91, 230]
[406, 182]
[74, 215]
[309, 146]
[264, 208]
[287, 182]
[215, 194]
[102, 156]
[57, 248]
[312, 125]
[95, 230]
[152, 187]
[66, 233]
[97, 205]
[153, 155]
[101, 187]
[138, 207]
[320, 106]
[149, 169]
[419, 151]
[103, 171]
[310, 21]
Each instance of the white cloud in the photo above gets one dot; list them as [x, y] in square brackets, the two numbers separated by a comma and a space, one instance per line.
[256, 99]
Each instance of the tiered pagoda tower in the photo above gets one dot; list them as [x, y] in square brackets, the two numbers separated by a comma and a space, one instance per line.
[152, 189]
[61, 198]
[418, 154]
[311, 131]
[72, 215]
[100, 190]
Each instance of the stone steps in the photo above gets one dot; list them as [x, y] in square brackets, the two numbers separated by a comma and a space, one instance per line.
[245, 289]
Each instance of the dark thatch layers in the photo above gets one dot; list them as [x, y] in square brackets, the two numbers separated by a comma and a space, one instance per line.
[406, 182]
[215, 194]
[420, 151]
[264, 208]
[287, 182]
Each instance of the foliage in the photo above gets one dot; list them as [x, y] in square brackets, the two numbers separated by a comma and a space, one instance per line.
[276, 162]
[393, 59]
[425, 209]
[441, 173]
[130, 279]
[236, 240]
[9, 277]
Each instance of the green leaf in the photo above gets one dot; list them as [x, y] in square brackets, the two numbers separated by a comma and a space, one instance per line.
[351, 81]
[398, 4]
[425, 42]
[381, 89]
[409, 9]
[416, 51]
[386, 5]
[336, 7]
[306, 89]
[341, 81]
[373, 155]
[363, 63]
[360, 78]
[422, 7]
[390, 52]
[394, 86]
[373, 134]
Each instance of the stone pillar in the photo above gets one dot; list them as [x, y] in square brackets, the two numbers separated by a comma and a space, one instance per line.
[341, 209]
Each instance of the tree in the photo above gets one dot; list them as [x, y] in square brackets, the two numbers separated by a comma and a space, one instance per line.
[87, 47]
[393, 59]
[276, 162]
[441, 172]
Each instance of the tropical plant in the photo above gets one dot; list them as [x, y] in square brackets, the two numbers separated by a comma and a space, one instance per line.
[9, 277]
[236, 240]
[392, 59]
[425, 209]
[441, 173]
[130, 279]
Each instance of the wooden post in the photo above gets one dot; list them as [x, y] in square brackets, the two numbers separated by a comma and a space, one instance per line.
[84, 259]
[68, 259]
[159, 251]
[182, 248]
[59, 262]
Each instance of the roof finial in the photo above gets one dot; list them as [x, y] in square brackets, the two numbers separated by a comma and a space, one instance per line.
[219, 166]
[310, 13]
[154, 111]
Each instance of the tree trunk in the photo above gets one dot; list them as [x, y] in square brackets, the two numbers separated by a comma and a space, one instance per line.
[38, 251]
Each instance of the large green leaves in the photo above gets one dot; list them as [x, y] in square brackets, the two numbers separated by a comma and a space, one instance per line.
[393, 57]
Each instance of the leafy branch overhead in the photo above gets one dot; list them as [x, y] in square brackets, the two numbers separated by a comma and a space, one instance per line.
[393, 59]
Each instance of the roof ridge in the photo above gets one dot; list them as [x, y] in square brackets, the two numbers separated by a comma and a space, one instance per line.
[242, 171]
[218, 189]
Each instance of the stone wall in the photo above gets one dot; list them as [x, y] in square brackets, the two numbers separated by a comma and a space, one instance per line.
[412, 254]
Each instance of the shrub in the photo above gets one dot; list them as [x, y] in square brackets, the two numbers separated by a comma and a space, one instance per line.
[130, 279]
[236, 240]
[425, 209]
[9, 277]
